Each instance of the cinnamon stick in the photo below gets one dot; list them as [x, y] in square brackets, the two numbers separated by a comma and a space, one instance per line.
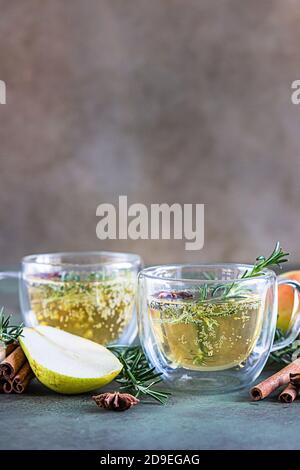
[10, 348]
[7, 386]
[295, 380]
[289, 394]
[22, 379]
[265, 388]
[12, 363]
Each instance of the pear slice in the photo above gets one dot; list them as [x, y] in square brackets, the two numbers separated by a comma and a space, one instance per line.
[67, 363]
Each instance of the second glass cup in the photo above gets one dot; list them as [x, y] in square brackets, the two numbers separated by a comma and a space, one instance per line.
[206, 326]
[90, 294]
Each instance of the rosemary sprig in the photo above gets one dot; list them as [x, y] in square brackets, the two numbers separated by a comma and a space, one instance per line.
[203, 292]
[137, 377]
[288, 354]
[277, 257]
[8, 333]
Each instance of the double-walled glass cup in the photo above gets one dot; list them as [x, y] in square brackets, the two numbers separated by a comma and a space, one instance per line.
[90, 294]
[205, 326]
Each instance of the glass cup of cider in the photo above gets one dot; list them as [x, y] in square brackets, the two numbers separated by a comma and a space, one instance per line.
[206, 327]
[89, 294]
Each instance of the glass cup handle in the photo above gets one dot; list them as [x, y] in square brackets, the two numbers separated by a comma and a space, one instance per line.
[294, 325]
[9, 275]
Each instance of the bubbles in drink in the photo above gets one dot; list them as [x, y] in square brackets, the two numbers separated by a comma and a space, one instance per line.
[97, 309]
[206, 335]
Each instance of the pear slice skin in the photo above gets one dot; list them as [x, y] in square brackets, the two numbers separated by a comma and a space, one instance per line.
[68, 363]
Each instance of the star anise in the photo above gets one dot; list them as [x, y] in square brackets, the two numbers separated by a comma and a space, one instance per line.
[182, 295]
[115, 401]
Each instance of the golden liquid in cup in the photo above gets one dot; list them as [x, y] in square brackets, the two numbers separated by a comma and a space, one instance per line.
[97, 310]
[207, 336]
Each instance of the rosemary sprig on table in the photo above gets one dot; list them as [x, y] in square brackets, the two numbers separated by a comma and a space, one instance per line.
[137, 377]
[8, 333]
[288, 354]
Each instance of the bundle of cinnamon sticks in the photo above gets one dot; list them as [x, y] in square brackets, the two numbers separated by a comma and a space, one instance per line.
[15, 371]
[289, 377]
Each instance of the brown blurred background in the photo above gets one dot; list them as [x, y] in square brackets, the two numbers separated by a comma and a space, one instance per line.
[163, 101]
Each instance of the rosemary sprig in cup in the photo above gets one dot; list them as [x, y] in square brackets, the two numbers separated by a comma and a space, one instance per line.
[223, 291]
[277, 257]
[8, 333]
[137, 377]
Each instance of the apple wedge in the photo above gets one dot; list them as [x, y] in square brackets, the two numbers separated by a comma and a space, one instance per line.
[67, 363]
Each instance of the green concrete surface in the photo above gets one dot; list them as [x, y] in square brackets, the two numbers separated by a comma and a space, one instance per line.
[44, 420]
[41, 419]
